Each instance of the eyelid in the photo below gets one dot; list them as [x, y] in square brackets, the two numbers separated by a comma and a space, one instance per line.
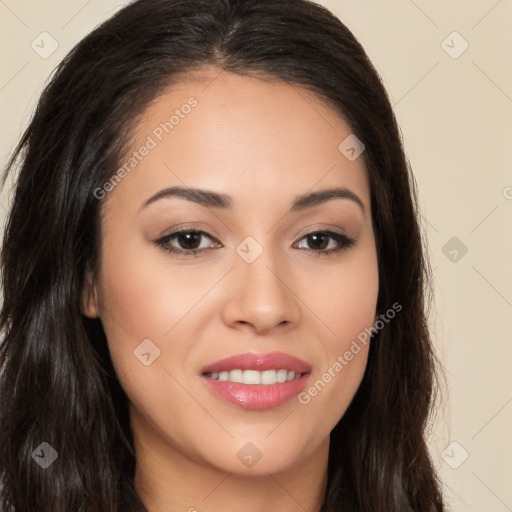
[193, 226]
[165, 239]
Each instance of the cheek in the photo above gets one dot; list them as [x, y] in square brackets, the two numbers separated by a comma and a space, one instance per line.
[145, 292]
[347, 307]
[142, 299]
[350, 314]
[347, 299]
[137, 303]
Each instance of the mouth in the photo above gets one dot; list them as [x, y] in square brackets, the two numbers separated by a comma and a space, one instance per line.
[257, 381]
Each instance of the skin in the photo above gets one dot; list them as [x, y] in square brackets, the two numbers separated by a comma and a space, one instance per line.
[262, 143]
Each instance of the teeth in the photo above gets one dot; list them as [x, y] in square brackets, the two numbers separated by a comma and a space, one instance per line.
[281, 375]
[251, 377]
[254, 376]
[269, 377]
[236, 376]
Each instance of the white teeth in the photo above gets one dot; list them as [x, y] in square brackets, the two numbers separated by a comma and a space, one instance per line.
[281, 375]
[255, 377]
[269, 377]
[236, 376]
[251, 377]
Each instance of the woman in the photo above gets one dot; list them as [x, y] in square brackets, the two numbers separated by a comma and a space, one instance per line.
[213, 274]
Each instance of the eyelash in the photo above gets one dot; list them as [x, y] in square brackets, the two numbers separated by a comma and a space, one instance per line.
[344, 242]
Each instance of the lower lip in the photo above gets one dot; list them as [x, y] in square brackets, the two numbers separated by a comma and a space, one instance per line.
[257, 396]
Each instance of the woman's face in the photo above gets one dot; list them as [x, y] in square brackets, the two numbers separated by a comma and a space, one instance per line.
[268, 277]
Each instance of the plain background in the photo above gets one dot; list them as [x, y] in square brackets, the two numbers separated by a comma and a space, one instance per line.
[455, 112]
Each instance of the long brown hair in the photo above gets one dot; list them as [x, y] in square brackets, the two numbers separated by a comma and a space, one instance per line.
[57, 382]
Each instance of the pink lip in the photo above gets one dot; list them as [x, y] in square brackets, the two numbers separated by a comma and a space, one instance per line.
[260, 362]
[257, 396]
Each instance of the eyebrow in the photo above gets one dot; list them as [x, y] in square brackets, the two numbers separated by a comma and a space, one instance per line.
[212, 199]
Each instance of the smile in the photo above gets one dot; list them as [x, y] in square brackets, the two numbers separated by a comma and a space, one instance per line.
[257, 381]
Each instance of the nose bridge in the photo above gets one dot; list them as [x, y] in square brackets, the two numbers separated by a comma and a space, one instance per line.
[260, 295]
[262, 276]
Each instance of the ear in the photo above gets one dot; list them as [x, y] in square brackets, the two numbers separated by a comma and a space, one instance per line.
[90, 298]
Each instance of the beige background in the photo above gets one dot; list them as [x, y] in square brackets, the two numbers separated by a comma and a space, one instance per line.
[456, 117]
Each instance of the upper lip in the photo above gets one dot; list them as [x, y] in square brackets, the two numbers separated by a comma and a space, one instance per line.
[260, 362]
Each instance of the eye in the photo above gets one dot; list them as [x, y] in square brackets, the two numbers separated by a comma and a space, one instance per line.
[191, 242]
[326, 243]
[186, 242]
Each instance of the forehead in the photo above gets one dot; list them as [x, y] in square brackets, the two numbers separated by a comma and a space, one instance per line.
[244, 135]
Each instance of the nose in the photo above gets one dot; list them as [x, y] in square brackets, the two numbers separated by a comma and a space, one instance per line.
[260, 296]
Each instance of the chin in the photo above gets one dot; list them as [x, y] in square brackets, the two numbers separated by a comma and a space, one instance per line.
[258, 458]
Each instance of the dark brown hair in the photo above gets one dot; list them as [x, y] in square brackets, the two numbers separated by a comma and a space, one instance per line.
[57, 382]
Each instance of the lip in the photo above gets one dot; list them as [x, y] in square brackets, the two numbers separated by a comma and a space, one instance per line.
[260, 362]
[257, 396]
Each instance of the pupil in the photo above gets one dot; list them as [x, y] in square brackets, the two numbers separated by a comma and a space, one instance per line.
[189, 240]
[317, 237]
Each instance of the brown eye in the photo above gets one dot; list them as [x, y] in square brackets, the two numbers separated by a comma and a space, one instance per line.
[187, 242]
[318, 241]
[190, 240]
[326, 242]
